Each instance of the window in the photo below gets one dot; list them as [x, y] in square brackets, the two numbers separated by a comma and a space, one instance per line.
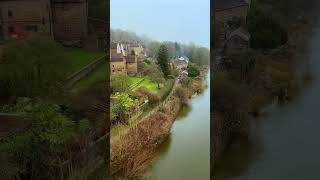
[11, 29]
[32, 28]
[10, 14]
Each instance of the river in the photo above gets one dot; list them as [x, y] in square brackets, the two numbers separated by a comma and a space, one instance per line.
[186, 153]
[284, 144]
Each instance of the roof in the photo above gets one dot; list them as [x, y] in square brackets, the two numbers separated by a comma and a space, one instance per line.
[181, 58]
[244, 34]
[134, 45]
[116, 57]
[180, 62]
[222, 5]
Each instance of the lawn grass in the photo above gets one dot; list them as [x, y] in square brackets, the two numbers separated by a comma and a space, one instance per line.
[134, 79]
[79, 58]
[99, 74]
[147, 83]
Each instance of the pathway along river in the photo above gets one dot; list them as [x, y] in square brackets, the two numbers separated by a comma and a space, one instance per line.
[285, 143]
[186, 153]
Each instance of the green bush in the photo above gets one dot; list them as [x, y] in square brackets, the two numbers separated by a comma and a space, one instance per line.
[51, 138]
[193, 71]
[32, 67]
[166, 89]
[265, 32]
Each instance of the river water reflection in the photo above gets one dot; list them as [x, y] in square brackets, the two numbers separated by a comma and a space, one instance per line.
[186, 153]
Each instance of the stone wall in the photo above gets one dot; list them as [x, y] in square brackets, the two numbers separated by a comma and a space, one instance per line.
[235, 44]
[132, 68]
[225, 15]
[20, 15]
[70, 20]
[117, 67]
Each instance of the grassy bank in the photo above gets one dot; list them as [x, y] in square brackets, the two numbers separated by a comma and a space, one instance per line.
[98, 75]
[147, 83]
[79, 58]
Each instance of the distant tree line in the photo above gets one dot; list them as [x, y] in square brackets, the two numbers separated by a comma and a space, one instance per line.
[197, 54]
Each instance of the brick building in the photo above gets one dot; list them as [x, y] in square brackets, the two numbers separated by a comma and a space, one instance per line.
[64, 20]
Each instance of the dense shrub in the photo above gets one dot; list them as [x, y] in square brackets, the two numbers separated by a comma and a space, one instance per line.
[265, 32]
[119, 83]
[153, 98]
[31, 67]
[183, 94]
[166, 89]
[193, 71]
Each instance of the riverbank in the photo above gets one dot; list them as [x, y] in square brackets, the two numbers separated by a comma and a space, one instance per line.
[240, 96]
[185, 154]
[132, 153]
[283, 138]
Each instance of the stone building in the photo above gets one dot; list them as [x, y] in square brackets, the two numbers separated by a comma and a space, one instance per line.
[228, 9]
[63, 20]
[117, 60]
[131, 65]
[20, 17]
[69, 19]
[237, 40]
[121, 61]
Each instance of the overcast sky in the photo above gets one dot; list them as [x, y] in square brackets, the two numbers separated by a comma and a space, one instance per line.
[175, 20]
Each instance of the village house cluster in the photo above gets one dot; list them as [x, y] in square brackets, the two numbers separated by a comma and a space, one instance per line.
[60, 19]
[230, 18]
[124, 57]
[65, 21]
[180, 63]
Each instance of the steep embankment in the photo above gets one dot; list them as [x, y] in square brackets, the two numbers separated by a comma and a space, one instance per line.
[132, 153]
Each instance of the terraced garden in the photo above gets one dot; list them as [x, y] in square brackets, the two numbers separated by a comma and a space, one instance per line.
[146, 82]
[79, 58]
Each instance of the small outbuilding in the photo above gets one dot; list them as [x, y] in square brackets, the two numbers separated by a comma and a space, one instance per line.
[237, 40]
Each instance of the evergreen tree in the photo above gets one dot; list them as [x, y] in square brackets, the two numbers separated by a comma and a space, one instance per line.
[177, 49]
[163, 60]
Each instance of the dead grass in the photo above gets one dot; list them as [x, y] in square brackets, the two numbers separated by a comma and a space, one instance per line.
[132, 154]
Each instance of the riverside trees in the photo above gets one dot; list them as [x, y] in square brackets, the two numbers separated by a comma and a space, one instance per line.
[163, 60]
